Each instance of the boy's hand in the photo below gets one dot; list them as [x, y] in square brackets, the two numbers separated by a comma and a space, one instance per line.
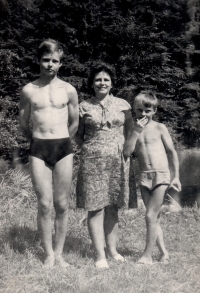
[140, 124]
[176, 184]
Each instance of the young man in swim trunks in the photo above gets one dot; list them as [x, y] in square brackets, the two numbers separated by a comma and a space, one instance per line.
[52, 106]
[156, 155]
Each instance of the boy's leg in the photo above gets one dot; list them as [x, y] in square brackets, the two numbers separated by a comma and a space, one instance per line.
[160, 243]
[62, 179]
[153, 201]
[111, 231]
[96, 231]
[198, 196]
[41, 177]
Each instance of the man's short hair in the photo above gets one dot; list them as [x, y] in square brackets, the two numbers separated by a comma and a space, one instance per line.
[50, 46]
[147, 98]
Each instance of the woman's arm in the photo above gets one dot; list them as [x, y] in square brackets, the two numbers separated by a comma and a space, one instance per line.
[128, 129]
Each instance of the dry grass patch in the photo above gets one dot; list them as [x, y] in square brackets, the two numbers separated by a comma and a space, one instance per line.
[21, 253]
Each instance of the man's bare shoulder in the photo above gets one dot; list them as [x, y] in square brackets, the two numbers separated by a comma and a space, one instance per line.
[28, 88]
[69, 88]
[71, 92]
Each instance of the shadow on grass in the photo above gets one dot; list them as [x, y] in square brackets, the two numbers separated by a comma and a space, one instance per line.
[77, 244]
[22, 239]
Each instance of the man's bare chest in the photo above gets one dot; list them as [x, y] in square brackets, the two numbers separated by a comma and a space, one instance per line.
[44, 97]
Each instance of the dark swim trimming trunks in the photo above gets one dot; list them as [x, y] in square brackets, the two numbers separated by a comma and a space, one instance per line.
[50, 150]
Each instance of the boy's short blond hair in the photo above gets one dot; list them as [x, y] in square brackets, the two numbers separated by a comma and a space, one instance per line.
[147, 98]
[50, 46]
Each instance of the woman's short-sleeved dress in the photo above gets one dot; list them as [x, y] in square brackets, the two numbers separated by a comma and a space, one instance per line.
[103, 173]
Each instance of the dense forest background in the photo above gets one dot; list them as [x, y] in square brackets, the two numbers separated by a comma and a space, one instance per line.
[153, 44]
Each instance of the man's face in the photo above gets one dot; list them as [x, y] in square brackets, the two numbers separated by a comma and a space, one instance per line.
[141, 111]
[50, 64]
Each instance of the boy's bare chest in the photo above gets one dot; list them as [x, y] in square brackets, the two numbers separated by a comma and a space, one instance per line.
[44, 97]
[149, 137]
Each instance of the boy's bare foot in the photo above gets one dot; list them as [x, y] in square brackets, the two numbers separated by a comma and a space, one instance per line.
[164, 259]
[101, 264]
[61, 262]
[49, 262]
[145, 261]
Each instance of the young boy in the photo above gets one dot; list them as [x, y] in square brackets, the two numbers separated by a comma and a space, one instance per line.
[52, 106]
[156, 155]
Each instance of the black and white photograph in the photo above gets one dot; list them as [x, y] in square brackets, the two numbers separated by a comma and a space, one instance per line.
[99, 146]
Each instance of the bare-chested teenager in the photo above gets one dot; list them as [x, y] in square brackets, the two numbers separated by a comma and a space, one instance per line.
[156, 155]
[52, 106]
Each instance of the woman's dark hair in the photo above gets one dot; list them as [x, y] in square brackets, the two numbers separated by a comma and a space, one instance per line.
[50, 46]
[98, 67]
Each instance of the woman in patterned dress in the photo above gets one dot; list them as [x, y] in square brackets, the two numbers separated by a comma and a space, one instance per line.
[102, 184]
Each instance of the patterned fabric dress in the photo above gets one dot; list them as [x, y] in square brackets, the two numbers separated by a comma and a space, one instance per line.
[103, 174]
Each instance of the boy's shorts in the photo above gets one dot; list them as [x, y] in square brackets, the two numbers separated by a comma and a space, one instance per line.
[152, 179]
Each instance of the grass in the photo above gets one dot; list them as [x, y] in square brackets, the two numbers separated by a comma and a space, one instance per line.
[21, 254]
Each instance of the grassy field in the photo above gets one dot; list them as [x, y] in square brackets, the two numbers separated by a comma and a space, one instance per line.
[21, 254]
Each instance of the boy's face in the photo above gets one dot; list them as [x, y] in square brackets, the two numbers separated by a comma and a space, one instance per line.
[141, 111]
[50, 64]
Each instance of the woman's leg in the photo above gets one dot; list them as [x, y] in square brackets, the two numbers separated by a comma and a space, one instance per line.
[96, 231]
[111, 231]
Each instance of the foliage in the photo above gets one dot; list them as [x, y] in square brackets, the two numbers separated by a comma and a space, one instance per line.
[154, 44]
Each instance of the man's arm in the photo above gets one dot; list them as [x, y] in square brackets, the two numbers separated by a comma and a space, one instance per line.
[73, 111]
[79, 137]
[132, 131]
[172, 156]
[25, 113]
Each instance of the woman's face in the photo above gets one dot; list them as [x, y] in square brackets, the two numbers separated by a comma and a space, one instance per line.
[102, 84]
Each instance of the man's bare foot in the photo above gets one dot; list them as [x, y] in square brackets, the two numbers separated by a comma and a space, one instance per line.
[164, 259]
[61, 262]
[145, 261]
[49, 262]
[119, 257]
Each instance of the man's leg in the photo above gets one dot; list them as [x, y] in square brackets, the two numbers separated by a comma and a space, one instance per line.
[41, 177]
[153, 202]
[111, 231]
[62, 179]
[96, 231]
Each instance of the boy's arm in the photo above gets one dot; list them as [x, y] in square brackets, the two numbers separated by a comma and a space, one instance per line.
[73, 112]
[132, 131]
[24, 114]
[172, 156]
[128, 130]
